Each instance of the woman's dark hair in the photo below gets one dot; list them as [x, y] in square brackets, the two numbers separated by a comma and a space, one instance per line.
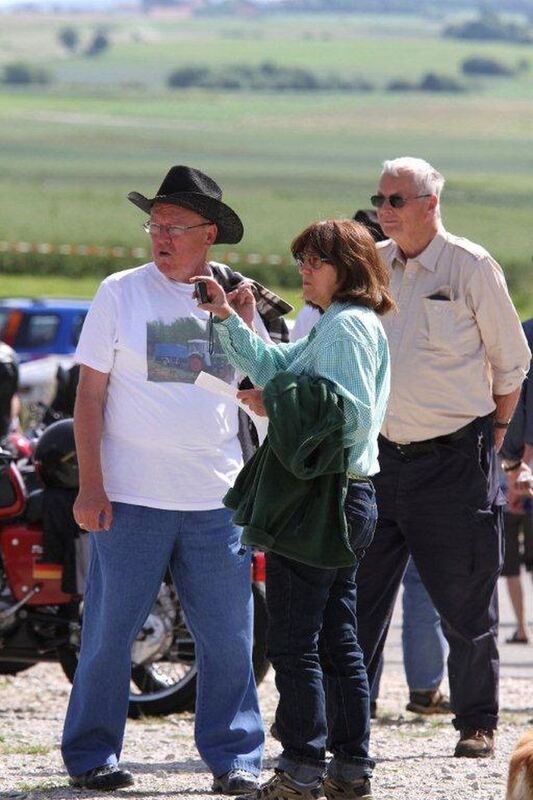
[350, 248]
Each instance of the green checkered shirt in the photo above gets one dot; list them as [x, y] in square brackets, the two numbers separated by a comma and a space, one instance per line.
[347, 346]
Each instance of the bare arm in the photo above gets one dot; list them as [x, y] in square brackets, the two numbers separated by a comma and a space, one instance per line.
[505, 406]
[92, 509]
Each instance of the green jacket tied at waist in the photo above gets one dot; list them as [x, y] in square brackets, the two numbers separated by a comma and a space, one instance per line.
[289, 497]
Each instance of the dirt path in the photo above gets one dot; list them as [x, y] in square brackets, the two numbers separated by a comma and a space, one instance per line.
[414, 756]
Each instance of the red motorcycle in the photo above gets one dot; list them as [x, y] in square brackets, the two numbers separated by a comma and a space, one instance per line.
[41, 622]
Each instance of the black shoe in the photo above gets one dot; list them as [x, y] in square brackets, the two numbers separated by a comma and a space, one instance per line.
[103, 779]
[236, 781]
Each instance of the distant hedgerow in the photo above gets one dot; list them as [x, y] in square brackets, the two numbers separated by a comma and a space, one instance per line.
[484, 65]
[21, 74]
[267, 76]
[430, 82]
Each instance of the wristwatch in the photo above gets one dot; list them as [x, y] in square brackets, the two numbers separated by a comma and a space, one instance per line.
[510, 467]
[498, 424]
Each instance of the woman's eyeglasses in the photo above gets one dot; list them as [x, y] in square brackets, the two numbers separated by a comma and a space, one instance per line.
[310, 261]
[395, 200]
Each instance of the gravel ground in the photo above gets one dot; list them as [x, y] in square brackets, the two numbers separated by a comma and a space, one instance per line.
[414, 755]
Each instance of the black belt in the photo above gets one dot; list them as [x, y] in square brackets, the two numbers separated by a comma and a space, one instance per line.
[413, 449]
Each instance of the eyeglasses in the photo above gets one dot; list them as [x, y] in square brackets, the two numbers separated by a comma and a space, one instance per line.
[396, 200]
[310, 261]
[174, 231]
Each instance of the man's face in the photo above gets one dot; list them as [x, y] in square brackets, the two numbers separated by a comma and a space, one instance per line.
[408, 223]
[180, 256]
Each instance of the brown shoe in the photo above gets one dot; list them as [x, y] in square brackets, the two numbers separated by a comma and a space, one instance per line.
[336, 789]
[282, 787]
[475, 743]
[431, 702]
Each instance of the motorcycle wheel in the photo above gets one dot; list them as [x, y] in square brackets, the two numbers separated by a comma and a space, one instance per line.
[168, 687]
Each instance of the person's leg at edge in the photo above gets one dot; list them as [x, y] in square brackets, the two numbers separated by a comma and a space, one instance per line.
[128, 563]
[212, 573]
[513, 525]
[424, 645]
[425, 649]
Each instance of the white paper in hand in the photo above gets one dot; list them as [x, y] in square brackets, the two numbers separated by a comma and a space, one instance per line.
[216, 386]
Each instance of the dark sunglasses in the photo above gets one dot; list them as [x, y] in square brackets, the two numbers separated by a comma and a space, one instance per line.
[396, 200]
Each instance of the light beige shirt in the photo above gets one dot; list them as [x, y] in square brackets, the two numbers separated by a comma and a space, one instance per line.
[449, 355]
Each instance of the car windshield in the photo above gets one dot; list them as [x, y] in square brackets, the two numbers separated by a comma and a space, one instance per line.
[36, 330]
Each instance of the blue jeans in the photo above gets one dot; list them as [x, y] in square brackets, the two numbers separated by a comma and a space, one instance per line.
[305, 603]
[425, 648]
[211, 572]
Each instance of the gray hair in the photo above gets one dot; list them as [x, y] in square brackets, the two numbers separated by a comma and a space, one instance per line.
[426, 177]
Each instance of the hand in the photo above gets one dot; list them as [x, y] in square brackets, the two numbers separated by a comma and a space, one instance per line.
[92, 510]
[522, 480]
[253, 398]
[218, 302]
[242, 301]
[515, 502]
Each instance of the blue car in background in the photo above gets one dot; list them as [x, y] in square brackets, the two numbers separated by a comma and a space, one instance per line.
[41, 327]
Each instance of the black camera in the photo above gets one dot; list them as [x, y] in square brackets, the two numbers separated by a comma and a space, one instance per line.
[201, 292]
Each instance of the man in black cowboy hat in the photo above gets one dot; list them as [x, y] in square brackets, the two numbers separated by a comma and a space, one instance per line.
[157, 454]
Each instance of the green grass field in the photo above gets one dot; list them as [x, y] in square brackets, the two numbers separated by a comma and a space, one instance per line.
[69, 153]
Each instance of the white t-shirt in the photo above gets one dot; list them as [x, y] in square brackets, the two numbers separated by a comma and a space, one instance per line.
[166, 443]
[308, 316]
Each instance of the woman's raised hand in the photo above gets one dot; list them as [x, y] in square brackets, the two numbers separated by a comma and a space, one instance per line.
[242, 301]
[218, 302]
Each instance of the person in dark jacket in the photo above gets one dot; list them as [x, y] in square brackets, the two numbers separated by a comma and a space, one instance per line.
[347, 349]
[517, 453]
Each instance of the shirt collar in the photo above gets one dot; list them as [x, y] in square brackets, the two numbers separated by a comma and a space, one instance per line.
[330, 311]
[429, 257]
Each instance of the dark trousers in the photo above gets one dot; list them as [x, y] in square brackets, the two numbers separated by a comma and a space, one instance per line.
[304, 604]
[442, 507]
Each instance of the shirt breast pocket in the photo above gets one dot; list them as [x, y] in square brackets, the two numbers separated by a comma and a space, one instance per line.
[440, 319]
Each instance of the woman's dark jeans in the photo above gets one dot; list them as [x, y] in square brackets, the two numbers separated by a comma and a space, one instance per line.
[313, 647]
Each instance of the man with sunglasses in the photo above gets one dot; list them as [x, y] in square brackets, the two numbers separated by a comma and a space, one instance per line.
[458, 358]
[156, 456]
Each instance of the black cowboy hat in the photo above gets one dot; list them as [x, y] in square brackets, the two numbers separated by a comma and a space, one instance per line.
[190, 188]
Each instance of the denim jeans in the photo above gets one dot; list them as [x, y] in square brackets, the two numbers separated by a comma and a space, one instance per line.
[304, 604]
[211, 572]
[425, 648]
[424, 645]
[443, 508]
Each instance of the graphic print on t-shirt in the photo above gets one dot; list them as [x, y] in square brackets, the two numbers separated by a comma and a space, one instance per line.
[177, 351]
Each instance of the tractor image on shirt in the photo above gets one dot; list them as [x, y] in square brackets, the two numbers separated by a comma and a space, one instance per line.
[193, 356]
